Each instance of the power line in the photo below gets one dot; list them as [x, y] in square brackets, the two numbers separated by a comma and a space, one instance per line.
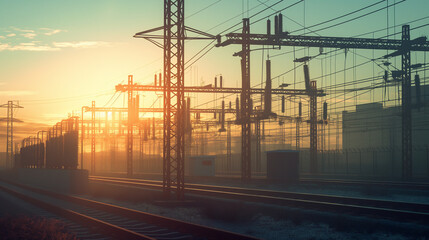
[355, 18]
[339, 17]
[202, 9]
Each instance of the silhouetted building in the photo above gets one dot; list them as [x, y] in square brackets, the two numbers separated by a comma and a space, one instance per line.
[377, 129]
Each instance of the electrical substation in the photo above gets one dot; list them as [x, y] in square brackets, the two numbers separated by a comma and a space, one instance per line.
[347, 112]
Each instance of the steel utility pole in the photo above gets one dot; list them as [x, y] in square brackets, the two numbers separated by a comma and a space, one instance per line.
[9, 136]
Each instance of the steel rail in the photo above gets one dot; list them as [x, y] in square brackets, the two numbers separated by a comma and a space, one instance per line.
[106, 228]
[413, 185]
[365, 206]
[165, 222]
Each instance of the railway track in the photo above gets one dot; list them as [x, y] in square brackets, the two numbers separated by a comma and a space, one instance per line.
[395, 184]
[115, 222]
[363, 206]
[80, 231]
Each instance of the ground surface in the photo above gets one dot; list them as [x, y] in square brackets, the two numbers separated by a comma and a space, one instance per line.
[266, 222]
[281, 223]
[376, 192]
[21, 220]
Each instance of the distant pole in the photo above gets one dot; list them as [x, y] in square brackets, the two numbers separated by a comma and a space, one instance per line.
[44, 146]
[130, 127]
[245, 110]
[10, 120]
[93, 139]
[82, 134]
[407, 149]
[313, 128]
[9, 139]
[9, 147]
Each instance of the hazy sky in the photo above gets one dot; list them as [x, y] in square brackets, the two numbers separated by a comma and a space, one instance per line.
[57, 56]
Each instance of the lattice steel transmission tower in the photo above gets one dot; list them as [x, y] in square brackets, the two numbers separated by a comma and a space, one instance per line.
[130, 128]
[82, 135]
[298, 126]
[258, 145]
[93, 138]
[174, 67]
[245, 108]
[9, 136]
[313, 128]
[228, 147]
[407, 147]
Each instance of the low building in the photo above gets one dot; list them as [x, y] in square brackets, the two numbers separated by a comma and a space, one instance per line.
[378, 130]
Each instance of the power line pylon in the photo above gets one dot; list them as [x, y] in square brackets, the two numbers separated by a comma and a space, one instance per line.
[298, 123]
[93, 138]
[313, 128]
[174, 68]
[173, 90]
[245, 108]
[228, 148]
[130, 128]
[9, 139]
[407, 147]
[407, 45]
[258, 145]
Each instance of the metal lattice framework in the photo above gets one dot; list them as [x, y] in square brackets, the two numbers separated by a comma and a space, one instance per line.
[298, 127]
[245, 108]
[82, 129]
[298, 134]
[9, 136]
[157, 110]
[93, 138]
[9, 143]
[285, 39]
[258, 145]
[174, 65]
[173, 45]
[130, 128]
[210, 89]
[313, 128]
[268, 89]
[246, 138]
[402, 47]
[406, 105]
